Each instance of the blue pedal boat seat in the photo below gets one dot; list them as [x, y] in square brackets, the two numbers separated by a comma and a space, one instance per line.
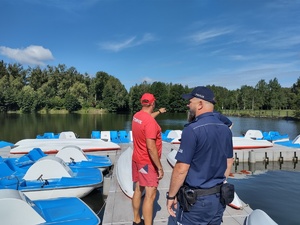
[95, 134]
[114, 137]
[123, 136]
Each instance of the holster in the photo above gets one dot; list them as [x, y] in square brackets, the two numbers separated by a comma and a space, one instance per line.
[186, 197]
[227, 193]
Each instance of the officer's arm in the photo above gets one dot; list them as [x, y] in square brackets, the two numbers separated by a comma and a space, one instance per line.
[178, 176]
[229, 166]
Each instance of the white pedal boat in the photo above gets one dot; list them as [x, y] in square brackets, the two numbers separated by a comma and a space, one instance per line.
[16, 208]
[52, 146]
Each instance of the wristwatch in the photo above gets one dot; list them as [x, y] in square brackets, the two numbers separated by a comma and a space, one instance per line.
[169, 197]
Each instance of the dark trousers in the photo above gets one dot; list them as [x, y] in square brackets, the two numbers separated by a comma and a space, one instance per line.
[206, 211]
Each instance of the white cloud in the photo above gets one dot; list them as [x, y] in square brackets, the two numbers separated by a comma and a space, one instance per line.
[285, 41]
[148, 79]
[66, 5]
[115, 47]
[128, 43]
[32, 55]
[204, 36]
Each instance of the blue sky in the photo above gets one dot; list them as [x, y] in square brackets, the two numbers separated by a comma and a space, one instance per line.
[227, 43]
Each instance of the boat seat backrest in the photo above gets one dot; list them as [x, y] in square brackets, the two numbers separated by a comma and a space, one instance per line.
[165, 134]
[67, 135]
[95, 134]
[5, 170]
[273, 133]
[114, 137]
[130, 135]
[39, 136]
[174, 134]
[105, 135]
[40, 152]
[12, 165]
[35, 154]
[17, 170]
[254, 134]
[123, 136]
[123, 133]
[49, 167]
[49, 135]
[296, 140]
[114, 134]
[70, 154]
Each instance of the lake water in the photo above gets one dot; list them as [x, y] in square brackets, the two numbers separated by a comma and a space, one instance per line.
[276, 192]
[274, 188]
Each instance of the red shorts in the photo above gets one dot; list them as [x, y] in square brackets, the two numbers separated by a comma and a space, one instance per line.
[146, 175]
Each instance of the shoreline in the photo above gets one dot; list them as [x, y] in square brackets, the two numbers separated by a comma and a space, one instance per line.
[271, 114]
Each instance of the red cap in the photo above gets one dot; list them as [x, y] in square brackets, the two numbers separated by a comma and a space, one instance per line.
[147, 98]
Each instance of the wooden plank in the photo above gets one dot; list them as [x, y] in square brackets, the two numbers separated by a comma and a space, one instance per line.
[118, 210]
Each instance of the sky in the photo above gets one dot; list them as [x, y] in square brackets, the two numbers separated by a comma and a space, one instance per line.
[227, 43]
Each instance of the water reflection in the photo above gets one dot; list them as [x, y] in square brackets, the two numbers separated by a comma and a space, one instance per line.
[246, 169]
[95, 200]
[19, 126]
[274, 191]
[261, 192]
[242, 124]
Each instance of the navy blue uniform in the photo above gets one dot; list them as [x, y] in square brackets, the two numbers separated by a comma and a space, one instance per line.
[206, 144]
[223, 118]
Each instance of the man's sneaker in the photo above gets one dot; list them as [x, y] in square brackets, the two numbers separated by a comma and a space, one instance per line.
[140, 223]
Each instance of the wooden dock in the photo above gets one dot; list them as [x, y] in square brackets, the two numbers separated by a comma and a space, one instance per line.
[118, 210]
[271, 154]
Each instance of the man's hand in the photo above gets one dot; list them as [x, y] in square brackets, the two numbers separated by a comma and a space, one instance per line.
[160, 173]
[172, 206]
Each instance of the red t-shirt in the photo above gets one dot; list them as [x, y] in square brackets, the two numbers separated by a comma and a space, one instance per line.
[144, 126]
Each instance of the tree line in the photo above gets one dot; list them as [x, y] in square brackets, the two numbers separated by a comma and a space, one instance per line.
[58, 87]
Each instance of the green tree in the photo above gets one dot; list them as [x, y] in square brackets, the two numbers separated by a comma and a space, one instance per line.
[71, 103]
[247, 97]
[176, 102]
[135, 94]
[12, 80]
[115, 96]
[221, 97]
[80, 91]
[275, 97]
[52, 85]
[59, 103]
[261, 94]
[295, 90]
[37, 78]
[99, 83]
[3, 85]
[27, 100]
[161, 93]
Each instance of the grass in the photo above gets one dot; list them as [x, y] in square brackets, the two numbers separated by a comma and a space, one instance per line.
[285, 114]
[260, 113]
[82, 111]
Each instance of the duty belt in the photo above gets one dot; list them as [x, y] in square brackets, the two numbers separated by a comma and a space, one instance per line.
[208, 191]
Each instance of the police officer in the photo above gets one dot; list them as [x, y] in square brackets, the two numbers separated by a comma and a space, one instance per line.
[204, 161]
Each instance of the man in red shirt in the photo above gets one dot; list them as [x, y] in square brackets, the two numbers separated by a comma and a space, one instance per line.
[146, 166]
